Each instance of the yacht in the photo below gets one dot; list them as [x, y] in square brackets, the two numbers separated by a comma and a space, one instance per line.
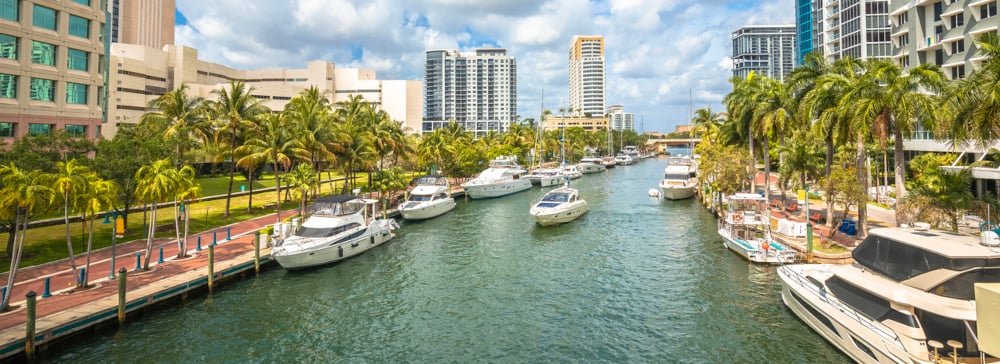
[503, 177]
[680, 179]
[571, 171]
[339, 227]
[545, 177]
[559, 206]
[909, 297]
[624, 159]
[430, 198]
[591, 165]
[746, 231]
[633, 152]
[608, 162]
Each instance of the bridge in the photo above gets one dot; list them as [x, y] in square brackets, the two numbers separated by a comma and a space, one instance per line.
[661, 145]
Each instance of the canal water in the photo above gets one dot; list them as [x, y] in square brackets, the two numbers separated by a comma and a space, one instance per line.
[634, 280]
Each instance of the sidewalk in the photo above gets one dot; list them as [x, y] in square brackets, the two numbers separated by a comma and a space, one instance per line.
[65, 296]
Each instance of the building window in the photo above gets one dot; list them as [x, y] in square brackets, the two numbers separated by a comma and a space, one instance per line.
[39, 129]
[76, 130]
[988, 10]
[82, 2]
[7, 130]
[8, 86]
[79, 27]
[958, 72]
[76, 59]
[43, 53]
[8, 47]
[43, 90]
[76, 93]
[958, 46]
[8, 9]
[958, 20]
[44, 17]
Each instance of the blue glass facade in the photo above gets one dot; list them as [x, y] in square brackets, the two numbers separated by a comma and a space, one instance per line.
[803, 29]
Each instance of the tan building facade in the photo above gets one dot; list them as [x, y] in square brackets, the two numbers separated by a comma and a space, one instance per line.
[141, 74]
[50, 57]
[586, 75]
[555, 122]
[144, 22]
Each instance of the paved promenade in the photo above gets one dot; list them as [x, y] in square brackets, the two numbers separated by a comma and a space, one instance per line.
[70, 309]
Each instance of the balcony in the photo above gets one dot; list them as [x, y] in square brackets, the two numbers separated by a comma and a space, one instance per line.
[931, 43]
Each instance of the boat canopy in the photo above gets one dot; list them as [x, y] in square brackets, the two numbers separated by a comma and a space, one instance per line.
[430, 179]
[337, 205]
[902, 254]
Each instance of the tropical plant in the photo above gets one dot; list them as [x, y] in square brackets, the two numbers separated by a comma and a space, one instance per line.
[183, 120]
[303, 179]
[272, 142]
[70, 181]
[156, 183]
[100, 196]
[22, 194]
[236, 109]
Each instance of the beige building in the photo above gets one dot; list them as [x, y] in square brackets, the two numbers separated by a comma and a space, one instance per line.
[141, 74]
[586, 75]
[555, 122]
[50, 57]
[144, 22]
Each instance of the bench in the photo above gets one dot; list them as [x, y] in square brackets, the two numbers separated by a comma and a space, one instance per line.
[271, 206]
[816, 217]
[776, 204]
[792, 207]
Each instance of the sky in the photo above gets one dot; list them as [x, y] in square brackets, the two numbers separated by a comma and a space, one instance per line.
[657, 52]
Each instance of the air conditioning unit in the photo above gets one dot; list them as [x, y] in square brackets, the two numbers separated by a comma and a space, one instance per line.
[921, 226]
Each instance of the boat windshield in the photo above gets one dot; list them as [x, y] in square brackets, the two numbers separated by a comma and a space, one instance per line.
[675, 176]
[323, 232]
[439, 181]
[963, 286]
[337, 208]
[556, 197]
[420, 198]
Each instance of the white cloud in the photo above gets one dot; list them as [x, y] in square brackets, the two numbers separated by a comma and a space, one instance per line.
[657, 50]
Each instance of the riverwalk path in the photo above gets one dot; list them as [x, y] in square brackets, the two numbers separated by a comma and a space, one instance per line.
[69, 309]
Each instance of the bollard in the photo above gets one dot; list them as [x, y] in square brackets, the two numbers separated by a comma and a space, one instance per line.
[138, 261]
[227, 233]
[29, 327]
[121, 296]
[199, 243]
[256, 251]
[214, 238]
[211, 266]
[160, 261]
[46, 293]
[83, 277]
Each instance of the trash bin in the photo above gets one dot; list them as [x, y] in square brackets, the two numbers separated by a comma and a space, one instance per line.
[848, 227]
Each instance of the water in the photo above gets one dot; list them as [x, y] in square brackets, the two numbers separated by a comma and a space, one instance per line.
[634, 280]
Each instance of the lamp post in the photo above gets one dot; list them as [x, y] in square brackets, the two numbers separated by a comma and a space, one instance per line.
[114, 240]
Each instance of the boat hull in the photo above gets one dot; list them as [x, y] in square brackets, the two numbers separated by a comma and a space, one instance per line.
[549, 216]
[491, 190]
[677, 192]
[378, 232]
[587, 168]
[546, 181]
[750, 250]
[427, 210]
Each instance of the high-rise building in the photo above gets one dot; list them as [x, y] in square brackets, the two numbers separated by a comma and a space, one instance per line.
[51, 54]
[806, 28]
[144, 22]
[618, 119]
[942, 33]
[477, 90]
[586, 76]
[141, 74]
[855, 28]
[767, 50]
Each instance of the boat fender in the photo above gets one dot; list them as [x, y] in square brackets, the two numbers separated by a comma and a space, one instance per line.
[737, 218]
[372, 238]
[765, 245]
[340, 251]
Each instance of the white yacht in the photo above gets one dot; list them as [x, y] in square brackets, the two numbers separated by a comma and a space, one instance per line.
[680, 179]
[908, 298]
[545, 177]
[340, 227]
[430, 198]
[633, 152]
[624, 159]
[608, 162]
[571, 171]
[591, 165]
[746, 231]
[503, 177]
[559, 206]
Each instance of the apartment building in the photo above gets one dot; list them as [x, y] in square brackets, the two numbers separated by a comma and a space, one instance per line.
[477, 90]
[942, 33]
[556, 122]
[144, 22]
[587, 81]
[619, 119]
[855, 28]
[767, 50]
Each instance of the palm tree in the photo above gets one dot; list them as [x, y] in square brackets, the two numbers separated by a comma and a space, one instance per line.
[802, 158]
[707, 123]
[70, 180]
[310, 111]
[101, 195]
[304, 180]
[272, 142]
[387, 182]
[973, 104]
[236, 109]
[188, 190]
[155, 183]
[183, 119]
[22, 194]
[940, 197]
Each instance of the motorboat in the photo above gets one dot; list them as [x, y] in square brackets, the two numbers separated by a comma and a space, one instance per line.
[624, 159]
[503, 177]
[339, 227]
[633, 152]
[571, 171]
[680, 178]
[558, 206]
[545, 177]
[608, 162]
[591, 165]
[910, 296]
[430, 198]
[746, 230]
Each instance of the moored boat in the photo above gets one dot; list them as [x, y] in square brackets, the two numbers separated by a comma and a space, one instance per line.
[503, 177]
[339, 227]
[746, 231]
[545, 177]
[591, 165]
[571, 171]
[680, 179]
[430, 198]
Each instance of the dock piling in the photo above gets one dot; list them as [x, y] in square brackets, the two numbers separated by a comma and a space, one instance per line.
[211, 266]
[160, 261]
[199, 243]
[215, 237]
[29, 327]
[121, 296]
[228, 228]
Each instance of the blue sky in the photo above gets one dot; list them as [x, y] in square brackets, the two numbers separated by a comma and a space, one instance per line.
[657, 51]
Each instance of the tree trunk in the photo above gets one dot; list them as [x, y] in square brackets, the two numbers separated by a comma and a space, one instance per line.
[15, 258]
[149, 239]
[232, 172]
[277, 189]
[69, 239]
[829, 183]
[900, 164]
[187, 226]
[863, 180]
[177, 229]
[10, 240]
[250, 202]
[753, 168]
[84, 281]
[767, 169]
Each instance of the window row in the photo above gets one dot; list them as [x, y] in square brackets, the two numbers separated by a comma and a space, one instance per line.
[43, 89]
[44, 53]
[9, 130]
[47, 18]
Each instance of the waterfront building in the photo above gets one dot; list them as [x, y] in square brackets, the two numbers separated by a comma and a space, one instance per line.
[556, 122]
[141, 74]
[51, 55]
[618, 119]
[767, 50]
[477, 90]
[942, 33]
[854, 28]
[806, 28]
[587, 79]
[144, 22]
